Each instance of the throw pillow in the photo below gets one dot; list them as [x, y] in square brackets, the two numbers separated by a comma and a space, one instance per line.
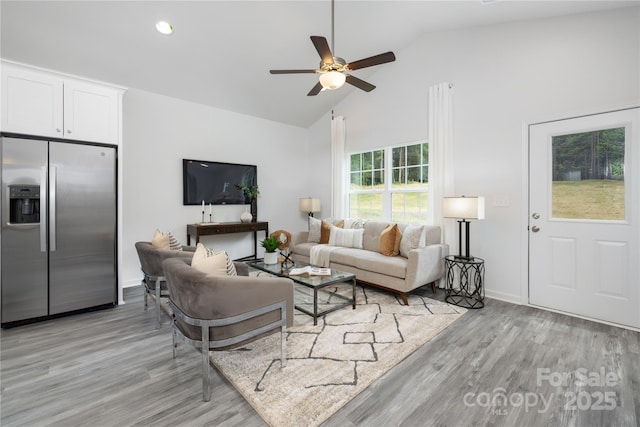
[412, 238]
[354, 223]
[165, 241]
[325, 230]
[208, 261]
[390, 240]
[348, 238]
[314, 230]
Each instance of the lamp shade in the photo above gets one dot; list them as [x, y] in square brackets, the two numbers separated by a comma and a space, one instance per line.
[309, 205]
[332, 80]
[471, 207]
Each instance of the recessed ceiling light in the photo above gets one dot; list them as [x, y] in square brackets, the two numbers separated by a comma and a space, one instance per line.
[164, 27]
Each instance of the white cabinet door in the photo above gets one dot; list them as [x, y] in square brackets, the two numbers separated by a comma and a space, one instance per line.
[31, 102]
[90, 112]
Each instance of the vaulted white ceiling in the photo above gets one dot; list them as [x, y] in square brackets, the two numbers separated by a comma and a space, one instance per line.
[221, 51]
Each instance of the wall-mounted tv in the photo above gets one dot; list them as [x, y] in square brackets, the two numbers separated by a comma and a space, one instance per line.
[216, 182]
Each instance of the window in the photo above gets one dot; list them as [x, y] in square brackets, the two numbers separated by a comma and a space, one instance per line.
[390, 184]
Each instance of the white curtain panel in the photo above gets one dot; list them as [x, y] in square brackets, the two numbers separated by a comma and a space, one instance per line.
[441, 159]
[338, 167]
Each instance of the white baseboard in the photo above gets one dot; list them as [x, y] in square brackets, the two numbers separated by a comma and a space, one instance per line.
[502, 296]
[131, 283]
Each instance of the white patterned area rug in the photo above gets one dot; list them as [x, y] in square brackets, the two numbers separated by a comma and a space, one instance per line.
[329, 364]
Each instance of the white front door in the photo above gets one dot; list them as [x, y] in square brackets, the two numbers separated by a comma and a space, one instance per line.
[584, 215]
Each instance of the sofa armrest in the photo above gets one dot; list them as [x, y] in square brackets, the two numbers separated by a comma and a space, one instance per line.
[299, 237]
[425, 265]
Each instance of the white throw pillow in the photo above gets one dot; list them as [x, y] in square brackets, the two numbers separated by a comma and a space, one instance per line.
[210, 262]
[348, 238]
[314, 230]
[165, 241]
[412, 238]
[354, 223]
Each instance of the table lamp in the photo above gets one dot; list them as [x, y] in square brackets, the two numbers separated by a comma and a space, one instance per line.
[310, 205]
[463, 208]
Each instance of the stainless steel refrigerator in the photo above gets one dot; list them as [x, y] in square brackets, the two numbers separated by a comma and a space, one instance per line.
[58, 237]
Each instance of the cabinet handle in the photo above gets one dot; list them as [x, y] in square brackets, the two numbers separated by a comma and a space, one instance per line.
[68, 130]
[57, 129]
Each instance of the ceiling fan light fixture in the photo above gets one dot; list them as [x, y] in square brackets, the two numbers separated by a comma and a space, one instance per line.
[332, 80]
[164, 27]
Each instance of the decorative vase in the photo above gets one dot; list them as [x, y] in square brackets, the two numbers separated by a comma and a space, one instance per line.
[246, 216]
[270, 257]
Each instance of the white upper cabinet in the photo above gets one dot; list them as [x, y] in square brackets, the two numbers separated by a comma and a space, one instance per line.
[40, 103]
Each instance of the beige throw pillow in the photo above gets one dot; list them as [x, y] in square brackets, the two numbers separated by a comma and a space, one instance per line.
[412, 238]
[208, 261]
[390, 240]
[165, 241]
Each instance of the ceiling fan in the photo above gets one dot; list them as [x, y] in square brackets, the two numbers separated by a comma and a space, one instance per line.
[333, 70]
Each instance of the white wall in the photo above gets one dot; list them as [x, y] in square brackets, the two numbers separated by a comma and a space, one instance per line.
[160, 131]
[503, 76]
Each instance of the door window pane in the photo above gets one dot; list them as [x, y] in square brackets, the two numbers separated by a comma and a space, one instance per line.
[588, 175]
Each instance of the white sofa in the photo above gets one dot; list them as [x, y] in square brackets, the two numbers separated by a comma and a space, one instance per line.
[420, 262]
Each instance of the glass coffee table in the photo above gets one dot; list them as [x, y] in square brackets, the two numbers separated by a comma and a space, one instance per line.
[314, 297]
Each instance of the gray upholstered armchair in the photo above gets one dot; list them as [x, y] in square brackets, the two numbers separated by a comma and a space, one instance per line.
[223, 312]
[151, 264]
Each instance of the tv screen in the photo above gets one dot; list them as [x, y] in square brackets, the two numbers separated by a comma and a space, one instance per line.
[216, 182]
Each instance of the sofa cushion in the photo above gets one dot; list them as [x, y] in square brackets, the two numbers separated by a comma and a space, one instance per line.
[372, 232]
[350, 238]
[370, 261]
[303, 248]
[207, 261]
[432, 234]
[412, 238]
[390, 240]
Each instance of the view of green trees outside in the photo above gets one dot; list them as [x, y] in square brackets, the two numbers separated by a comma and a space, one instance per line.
[404, 188]
[588, 175]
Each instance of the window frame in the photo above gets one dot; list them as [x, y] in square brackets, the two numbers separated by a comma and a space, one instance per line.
[388, 189]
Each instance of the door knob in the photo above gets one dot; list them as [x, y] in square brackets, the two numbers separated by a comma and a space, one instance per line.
[535, 215]
[535, 228]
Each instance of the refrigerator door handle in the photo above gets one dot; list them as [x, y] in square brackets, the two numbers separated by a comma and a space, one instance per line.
[43, 209]
[52, 208]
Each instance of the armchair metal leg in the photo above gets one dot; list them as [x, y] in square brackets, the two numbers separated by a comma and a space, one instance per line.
[283, 347]
[158, 279]
[174, 334]
[206, 371]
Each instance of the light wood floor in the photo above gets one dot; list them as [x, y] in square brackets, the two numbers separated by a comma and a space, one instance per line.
[112, 368]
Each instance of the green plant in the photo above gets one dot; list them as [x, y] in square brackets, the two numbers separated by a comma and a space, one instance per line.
[250, 192]
[270, 244]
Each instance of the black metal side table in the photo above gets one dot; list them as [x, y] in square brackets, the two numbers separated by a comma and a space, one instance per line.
[468, 275]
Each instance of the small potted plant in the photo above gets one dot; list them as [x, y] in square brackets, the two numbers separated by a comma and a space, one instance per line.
[251, 194]
[270, 245]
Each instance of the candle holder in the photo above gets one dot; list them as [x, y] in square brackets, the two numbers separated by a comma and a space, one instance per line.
[210, 218]
[203, 215]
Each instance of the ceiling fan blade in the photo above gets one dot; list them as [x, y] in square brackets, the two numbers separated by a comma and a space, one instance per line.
[315, 90]
[359, 83]
[291, 71]
[323, 49]
[383, 58]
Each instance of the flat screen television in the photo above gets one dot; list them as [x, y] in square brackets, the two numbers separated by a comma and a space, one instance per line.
[216, 182]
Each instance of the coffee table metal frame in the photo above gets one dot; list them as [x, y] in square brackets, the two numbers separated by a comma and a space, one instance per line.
[313, 282]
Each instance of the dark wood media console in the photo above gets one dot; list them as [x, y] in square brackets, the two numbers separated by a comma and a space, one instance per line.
[208, 229]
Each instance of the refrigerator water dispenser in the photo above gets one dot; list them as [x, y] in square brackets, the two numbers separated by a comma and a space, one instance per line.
[24, 204]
